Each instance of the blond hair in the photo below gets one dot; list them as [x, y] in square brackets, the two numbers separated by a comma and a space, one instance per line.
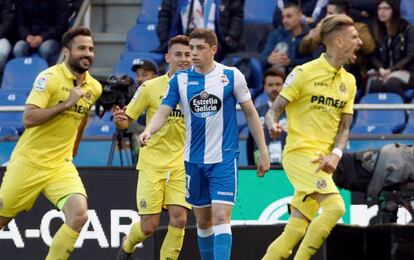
[334, 23]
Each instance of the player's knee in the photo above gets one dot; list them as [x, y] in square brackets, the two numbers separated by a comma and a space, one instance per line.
[336, 207]
[79, 219]
[221, 217]
[149, 228]
[178, 221]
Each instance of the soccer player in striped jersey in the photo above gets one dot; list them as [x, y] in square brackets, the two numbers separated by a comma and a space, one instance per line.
[207, 94]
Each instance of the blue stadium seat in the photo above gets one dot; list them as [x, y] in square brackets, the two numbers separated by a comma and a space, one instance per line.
[13, 97]
[371, 129]
[96, 128]
[407, 10]
[141, 38]
[395, 119]
[409, 94]
[261, 99]
[241, 120]
[12, 118]
[6, 131]
[259, 11]
[149, 11]
[124, 67]
[409, 127]
[21, 72]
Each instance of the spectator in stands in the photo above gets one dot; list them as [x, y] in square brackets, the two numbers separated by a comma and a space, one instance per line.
[225, 18]
[363, 11]
[40, 24]
[311, 43]
[393, 59]
[313, 11]
[144, 69]
[273, 84]
[282, 46]
[6, 24]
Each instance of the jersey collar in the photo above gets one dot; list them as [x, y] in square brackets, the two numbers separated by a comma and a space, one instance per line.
[324, 62]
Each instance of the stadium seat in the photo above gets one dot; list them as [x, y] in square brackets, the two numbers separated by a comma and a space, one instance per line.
[124, 67]
[261, 99]
[21, 72]
[259, 11]
[407, 10]
[141, 38]
[371, 129]
[14, 118]
[149, 12]
[395, 119]
[409, 94]
[96, 128]
[241, 120]
[6, 131]
[409, 127]
[13, 97]
[251, 69]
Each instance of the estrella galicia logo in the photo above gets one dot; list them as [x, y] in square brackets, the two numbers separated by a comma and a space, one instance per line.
[205, 104]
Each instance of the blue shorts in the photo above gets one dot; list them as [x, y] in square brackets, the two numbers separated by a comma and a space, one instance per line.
[211, 183]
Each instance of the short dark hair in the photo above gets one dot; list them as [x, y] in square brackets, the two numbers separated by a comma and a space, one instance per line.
[273, 72]
[206, 34]
[70, 34]
[293, 5]
[341, 6]
[179, 39]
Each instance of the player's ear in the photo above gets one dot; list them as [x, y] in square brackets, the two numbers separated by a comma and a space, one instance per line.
[66, 52]
[167, 57]
[214, 49]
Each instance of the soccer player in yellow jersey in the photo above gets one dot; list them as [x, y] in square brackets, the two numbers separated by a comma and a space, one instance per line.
[54, 118]
[318, 97]
[161, 182]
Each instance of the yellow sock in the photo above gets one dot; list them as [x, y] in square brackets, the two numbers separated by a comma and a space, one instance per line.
[319, 229]
[63, 243]
[134, 237]
[282, 247]
[172, 244]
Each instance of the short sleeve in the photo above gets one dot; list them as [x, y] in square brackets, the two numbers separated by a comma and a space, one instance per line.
[293, 84]
[173, 95]
[349, 106]
[139, 102]
[41, 92]
[241, 91]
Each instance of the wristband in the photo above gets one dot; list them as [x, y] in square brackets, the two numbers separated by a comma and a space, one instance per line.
[337, 152]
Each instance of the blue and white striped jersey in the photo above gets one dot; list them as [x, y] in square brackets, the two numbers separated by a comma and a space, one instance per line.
[208, 102]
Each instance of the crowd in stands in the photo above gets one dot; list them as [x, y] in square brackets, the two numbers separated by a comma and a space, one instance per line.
[264, 39]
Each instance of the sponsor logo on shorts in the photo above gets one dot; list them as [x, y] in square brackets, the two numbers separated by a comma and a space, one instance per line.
[321, 184]
[1, 203]
[225, 193]
[143, 204]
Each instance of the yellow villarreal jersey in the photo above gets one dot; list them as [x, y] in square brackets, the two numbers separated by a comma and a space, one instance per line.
[166, 147]
[318, 95]
[51, 144]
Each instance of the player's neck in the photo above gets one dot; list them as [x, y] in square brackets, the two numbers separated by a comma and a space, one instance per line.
[79, 76]
[205, 69]
[334, 60]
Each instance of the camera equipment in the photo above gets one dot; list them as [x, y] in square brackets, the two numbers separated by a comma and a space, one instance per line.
[116, 91]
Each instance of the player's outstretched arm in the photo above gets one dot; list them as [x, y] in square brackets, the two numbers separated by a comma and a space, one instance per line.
[256, 129]
[155, 124]
[34, 115]
[121, 119]
[273, 115]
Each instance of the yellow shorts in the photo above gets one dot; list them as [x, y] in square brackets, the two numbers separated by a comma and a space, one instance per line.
[158, 189]
[22, 184]
[301, 172]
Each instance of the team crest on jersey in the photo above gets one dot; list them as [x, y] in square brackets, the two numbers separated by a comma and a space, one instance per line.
[88, 96]
[321, 184]
[342, 88]
[143, 204]
[224, 80]
[205, 104]
[289, 79]
[40, 84]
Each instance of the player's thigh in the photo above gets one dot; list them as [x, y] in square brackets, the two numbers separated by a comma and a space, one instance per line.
[305, 204]
[175, 189]
[150, 191]
[197, 185]
[223, 182]
[20, 188]
[65, 181]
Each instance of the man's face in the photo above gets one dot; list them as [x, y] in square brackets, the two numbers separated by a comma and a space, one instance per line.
[291, 18]
[144, 75]
[272, 86]
[81, 53]
[178, 57]
[202, 53]
[351, 43]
